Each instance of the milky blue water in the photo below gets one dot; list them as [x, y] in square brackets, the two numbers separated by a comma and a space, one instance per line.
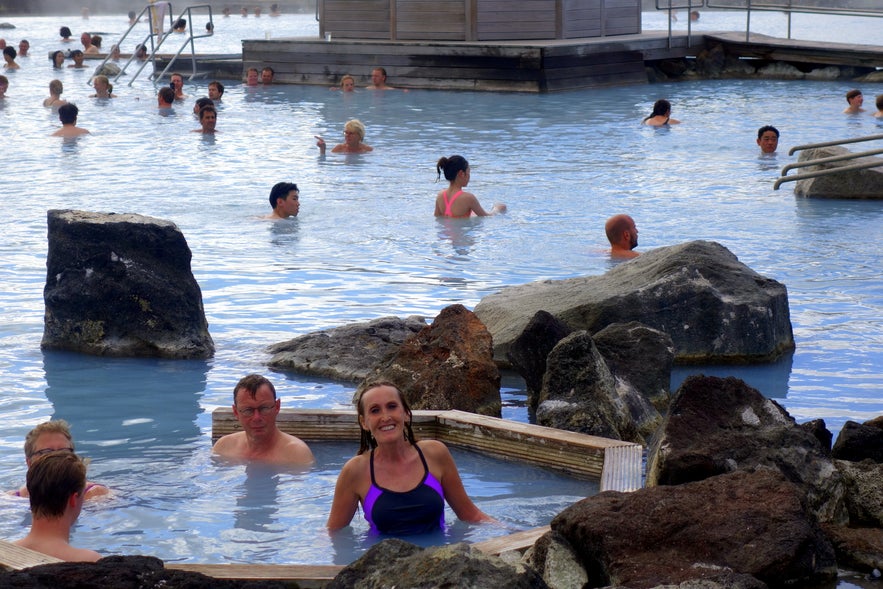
[366, 245]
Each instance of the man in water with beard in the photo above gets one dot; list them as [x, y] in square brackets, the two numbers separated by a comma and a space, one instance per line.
[623, 236]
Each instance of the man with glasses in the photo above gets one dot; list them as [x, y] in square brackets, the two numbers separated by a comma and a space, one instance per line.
[255, 407]
[54, 436]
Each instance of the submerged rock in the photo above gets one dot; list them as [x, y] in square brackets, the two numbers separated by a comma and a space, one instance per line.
[860, 184]
[349, 352]
[714, 308]
[121, 285]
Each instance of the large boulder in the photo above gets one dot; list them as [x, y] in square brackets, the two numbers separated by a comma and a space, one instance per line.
[864, 492]
[121, 285]
[528, 352]
[858, 441]
[396, 563]
[860, 183]
[447, 365]
[714, 308]
[121, 572]
[640, 358]
[719, 425]
[349, 352]
[580, 394]
[744, 523]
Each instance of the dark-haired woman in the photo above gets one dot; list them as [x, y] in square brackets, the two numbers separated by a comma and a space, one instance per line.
[661, 115]
[402, 484]
[454, 202]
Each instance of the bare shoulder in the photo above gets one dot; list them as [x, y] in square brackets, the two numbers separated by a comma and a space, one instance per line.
[433, 449]
[296, 450]
[229, 444]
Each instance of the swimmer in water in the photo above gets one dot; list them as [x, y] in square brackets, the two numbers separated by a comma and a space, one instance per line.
[768, 139]
[354, 135]
[622, 233]
[661, 115]
[67, 114]
[285, 200]
[453, 202]
[55, 100]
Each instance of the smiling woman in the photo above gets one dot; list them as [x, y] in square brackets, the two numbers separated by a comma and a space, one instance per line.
[402, 484]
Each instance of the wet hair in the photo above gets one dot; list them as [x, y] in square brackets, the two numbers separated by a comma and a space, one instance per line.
[4, 81]
[56, 87]
[251, 384]
[203, 102]
[208, 108]
[177, 74]
[77, 53]
[68, 113]
[181, 23]
[219, 85]
[345, 78]
[766, 128]
[10, 51]
[381, 70]
[356, 126]
[450, 166]
[852, 94]
[167, 94]
[64, 32]
[56, 426]
[281, 190]
[131, 14]
[366, 440]
[660, 108]
[52, 57]
[96, 40]
[267, 68]
[252, 69]
[102, 78]
[52, 480]
[880, 102]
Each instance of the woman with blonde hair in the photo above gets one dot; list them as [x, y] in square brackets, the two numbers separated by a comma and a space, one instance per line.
[353, 137]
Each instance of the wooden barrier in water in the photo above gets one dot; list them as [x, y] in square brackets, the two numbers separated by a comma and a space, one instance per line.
[616, 464]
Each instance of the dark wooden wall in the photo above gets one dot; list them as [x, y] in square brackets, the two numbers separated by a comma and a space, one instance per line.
[478, 20]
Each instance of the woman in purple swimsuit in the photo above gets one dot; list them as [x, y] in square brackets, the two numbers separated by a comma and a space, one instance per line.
[401, 483]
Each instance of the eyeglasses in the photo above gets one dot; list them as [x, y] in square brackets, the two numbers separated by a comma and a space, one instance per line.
[45, 451]
[249, 411]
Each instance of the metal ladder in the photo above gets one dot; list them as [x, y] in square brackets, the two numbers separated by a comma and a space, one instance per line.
[824, 160]
[155, 13]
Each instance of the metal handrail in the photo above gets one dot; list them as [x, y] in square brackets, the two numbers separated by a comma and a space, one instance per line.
[689, 6]
[835, 142]
[834, 158]
[748, 5]
[788, 8]
[189, 40]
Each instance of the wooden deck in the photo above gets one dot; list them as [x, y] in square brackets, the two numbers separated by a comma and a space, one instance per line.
[815, 52]
[518, 66]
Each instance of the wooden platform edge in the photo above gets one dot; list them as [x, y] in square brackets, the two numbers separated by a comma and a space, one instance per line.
[16, 558]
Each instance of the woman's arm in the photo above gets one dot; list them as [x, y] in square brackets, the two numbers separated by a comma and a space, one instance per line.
[441, 461]
[346, 500]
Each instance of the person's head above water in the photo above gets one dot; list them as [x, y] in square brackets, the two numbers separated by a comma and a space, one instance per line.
[622, 235]
[768, 138]
[451, 166]
[284, 200]
[661, 108]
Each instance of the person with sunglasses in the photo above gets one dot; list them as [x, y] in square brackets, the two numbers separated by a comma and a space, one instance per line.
[55, 436]
[255, 407]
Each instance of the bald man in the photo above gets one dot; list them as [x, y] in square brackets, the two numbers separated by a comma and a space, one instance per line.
[623, 236]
